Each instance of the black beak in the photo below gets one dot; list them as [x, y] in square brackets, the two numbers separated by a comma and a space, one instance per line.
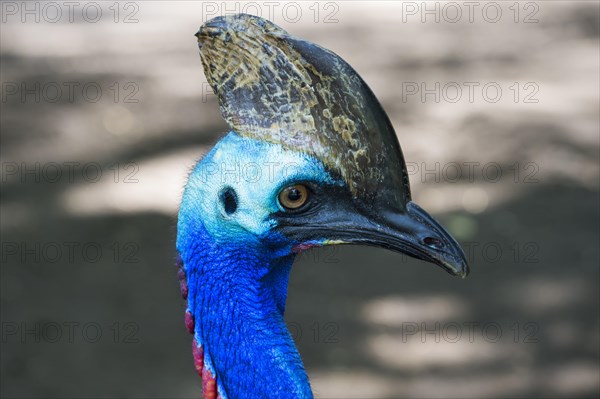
[418, 234]
[411, 231]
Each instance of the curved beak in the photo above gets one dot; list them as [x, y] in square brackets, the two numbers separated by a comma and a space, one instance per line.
[417, 234]
[411, 231]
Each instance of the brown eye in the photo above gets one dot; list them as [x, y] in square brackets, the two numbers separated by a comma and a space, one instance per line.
[293, 197]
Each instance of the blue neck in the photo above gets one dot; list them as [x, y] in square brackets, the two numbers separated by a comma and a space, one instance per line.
[237, 296]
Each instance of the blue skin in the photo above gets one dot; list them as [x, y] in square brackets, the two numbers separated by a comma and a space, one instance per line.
[238, 265]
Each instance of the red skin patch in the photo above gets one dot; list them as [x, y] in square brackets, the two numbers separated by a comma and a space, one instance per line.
[182, 278]
[209, 383]
[303, 247]
[189, 322]
[182, 283]
[198, 353]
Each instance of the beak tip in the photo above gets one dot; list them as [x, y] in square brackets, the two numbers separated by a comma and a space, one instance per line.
[456, 267]
[462, 270]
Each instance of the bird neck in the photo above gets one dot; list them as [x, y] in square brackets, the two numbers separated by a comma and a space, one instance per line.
[237, 297]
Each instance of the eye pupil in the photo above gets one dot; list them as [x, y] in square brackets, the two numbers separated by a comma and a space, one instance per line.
[293, 197]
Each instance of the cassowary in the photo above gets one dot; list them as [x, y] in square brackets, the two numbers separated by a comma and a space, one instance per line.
[311, 160]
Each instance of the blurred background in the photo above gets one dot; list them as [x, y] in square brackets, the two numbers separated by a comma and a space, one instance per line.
[105, 108]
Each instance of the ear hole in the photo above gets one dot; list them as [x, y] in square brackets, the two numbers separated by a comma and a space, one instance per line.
[229, 200]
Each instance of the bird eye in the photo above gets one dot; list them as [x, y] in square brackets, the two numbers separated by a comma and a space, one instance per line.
[293, 197]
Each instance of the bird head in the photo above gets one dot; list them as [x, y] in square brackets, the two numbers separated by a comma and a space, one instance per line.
[312, 158]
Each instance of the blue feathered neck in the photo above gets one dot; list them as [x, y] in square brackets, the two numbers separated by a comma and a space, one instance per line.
[237, 298]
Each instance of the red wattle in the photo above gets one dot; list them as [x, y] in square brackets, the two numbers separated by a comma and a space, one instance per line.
[189, 322]
[209, 383]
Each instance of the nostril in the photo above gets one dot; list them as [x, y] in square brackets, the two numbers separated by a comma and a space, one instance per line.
[433, 242]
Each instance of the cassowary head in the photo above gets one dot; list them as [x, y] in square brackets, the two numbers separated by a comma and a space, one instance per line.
[312, 159]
